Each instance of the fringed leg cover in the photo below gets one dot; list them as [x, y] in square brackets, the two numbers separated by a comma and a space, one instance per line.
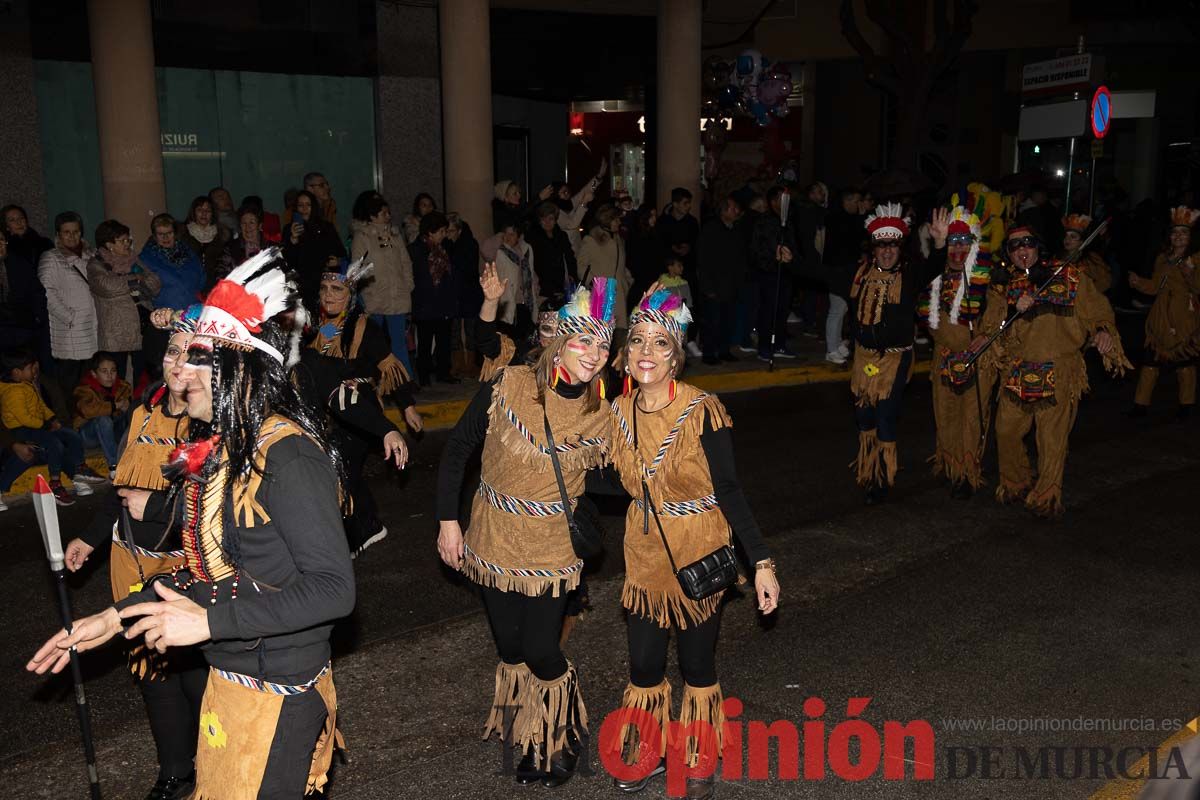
[655, 701]
[550, 710]
[511, 682]
[703, 704]
[866, 465]
[1046, 501]
[887, 464]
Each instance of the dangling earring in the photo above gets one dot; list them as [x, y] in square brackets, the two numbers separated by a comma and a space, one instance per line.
[600, 389]
[671, 391]
[560, 373]
[554, 374]
[627, 384]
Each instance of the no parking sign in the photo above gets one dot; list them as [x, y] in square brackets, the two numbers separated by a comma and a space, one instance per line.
[1101, 116]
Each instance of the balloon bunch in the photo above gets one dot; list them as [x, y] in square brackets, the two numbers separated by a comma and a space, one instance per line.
[749, 86]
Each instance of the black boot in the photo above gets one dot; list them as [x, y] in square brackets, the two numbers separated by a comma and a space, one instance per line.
[1183, 413]
[962, 490]
[1137, 412]
[172, 788]
[526, 772]
[562, 767]
[876, 494]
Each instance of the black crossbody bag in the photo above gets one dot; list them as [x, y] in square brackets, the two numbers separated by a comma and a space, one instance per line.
[587, 534]
[704, 577]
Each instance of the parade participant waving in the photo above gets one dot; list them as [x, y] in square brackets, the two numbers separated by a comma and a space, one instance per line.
[1042, 368]
[1173, 325]
[671, 444]
[171, 685]
[542, 428]
[957, 310]
[266, 567]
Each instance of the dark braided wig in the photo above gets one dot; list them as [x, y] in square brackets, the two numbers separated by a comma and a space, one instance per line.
[248, 387]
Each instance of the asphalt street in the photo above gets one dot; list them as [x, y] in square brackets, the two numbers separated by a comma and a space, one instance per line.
[959, 613]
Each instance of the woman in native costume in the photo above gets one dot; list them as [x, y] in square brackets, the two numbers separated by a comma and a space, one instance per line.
[344, 331]
[266, 570]
[532, 422]
[883, 290]
[672, 446]
[1043, 374]
[1173, 325]
[1091, 263]
[957, 311]
[171, 685]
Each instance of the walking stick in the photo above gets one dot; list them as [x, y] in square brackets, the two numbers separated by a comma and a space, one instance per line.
[47, 517]
[1008, 321]
[785, 200]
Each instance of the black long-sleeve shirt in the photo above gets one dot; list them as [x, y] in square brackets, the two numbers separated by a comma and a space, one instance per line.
[296, 576]
[896, 324]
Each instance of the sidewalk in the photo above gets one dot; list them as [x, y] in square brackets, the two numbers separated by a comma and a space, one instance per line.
[441, 404]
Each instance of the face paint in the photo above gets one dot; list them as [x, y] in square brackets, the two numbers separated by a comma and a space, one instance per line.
[583, 356]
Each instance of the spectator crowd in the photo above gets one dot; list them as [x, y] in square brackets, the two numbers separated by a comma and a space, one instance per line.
[78, 346]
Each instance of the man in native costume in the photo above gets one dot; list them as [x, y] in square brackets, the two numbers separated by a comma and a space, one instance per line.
[1042, 371]
[266, 568]
[1091, 263]
[673, 448]
[173, 684]
[345, 333]
[956, 309]
[534, 423]
[883, 289]
[1173, 325]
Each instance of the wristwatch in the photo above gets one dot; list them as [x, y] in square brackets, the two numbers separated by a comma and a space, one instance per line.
[766, 563]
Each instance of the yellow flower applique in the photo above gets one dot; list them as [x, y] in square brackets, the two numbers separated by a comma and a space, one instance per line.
[871, 370]
[210, 726]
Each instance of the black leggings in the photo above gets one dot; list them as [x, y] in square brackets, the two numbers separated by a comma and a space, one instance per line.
[173, 706]
[526, 630]
[696, 646]
[884, 416]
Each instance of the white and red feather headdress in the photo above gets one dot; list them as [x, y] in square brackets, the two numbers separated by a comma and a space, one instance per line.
[238, 305]
[888, 223]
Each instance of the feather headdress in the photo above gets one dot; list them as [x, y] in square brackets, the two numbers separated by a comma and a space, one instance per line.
[590, 311]
[888, 222]
[1183, 217]
[238, 305]
[350, 273]
[664, 308]
[185, 321]
[1076, 222]
[964, 296]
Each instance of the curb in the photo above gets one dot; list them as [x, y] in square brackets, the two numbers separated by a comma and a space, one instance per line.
[444, 415]
[439, 416]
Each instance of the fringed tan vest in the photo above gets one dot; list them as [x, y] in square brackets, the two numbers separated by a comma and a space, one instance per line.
[518, 539]
[670, 457]
[151, 438]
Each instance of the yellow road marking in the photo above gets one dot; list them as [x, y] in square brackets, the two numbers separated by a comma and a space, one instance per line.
[1128, 789]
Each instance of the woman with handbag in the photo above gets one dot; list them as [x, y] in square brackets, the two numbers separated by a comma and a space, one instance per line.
[542, 428]
[672, 446]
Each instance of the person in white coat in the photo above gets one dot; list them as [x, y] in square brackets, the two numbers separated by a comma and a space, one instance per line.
[602, 255]
[514, 264]
[387, 292]
[62, 271]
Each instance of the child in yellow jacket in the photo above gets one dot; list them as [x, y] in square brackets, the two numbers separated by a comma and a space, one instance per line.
[25, 413]
[101, 403]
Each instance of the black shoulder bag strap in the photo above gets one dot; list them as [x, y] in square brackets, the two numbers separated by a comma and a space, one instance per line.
[648, 509]
[558, 476]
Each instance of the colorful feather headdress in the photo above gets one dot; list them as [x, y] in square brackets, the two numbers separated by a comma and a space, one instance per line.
[963, 298]
[185, 321]
[888, 223]
[664, 308]
[350, 273]
[238, 305]
[1183, 217]
[590, 311]
[1076, 222]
